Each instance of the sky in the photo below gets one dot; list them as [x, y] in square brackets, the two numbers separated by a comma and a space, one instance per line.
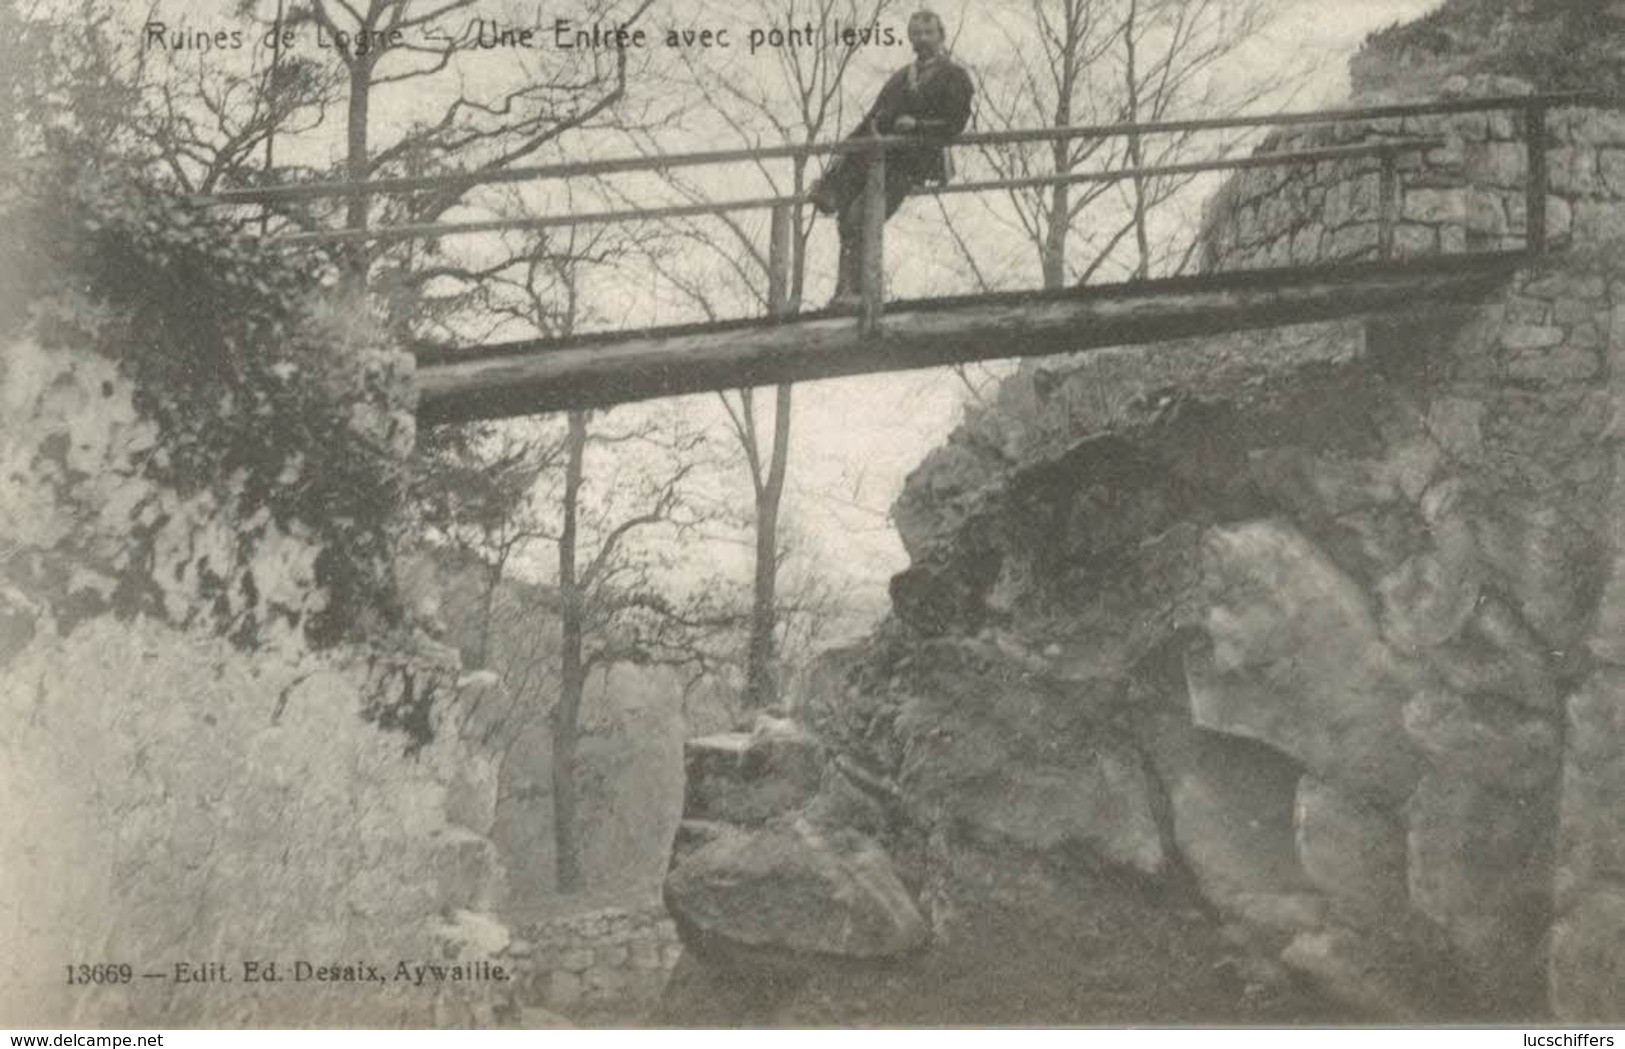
[1340, 25]
[855, 440]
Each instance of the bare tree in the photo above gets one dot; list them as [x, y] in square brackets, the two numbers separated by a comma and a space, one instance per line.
[767, 483]
[612, 605]
[195, 121]
[1116, 62]
[542, 101]
[475, 490]
[800, 101]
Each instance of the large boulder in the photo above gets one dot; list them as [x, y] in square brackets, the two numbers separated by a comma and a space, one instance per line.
[993, 743]
[1103, 804]
[1352, 851]
[1586, 968]
[1548, 562]
[1377, 977]
[1480, 836]
[1485, 740]
[1591, 832]
[1231, 806]
[1296, 660]
[1586, 978]
[1497, 654]
[942, 493]
[1428, 600]
[1480, 866]
[798, 889]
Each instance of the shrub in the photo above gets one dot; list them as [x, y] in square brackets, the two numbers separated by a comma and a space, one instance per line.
[273, 399]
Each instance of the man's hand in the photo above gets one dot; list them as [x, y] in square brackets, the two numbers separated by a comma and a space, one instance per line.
[904, 123]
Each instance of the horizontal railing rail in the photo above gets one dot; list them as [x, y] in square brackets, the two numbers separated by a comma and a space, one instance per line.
[666, 162]
[1533, 109]
[410, 231]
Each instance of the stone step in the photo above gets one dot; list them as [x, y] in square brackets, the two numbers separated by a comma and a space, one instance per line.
[748, 778]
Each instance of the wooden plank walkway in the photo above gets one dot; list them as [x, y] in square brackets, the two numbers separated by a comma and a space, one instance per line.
[531, 376]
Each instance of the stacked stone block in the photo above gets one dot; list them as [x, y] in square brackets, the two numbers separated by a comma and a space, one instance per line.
[604, 966]
[1467, 194]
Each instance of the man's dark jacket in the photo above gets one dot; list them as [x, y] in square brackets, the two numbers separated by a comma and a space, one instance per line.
[939, 100]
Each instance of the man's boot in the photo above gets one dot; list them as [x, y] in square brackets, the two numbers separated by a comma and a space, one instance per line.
[847, 297]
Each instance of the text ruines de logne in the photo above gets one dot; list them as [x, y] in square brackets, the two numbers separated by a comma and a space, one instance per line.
[563, 34]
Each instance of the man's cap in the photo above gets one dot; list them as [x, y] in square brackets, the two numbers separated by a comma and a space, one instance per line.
[924, 14]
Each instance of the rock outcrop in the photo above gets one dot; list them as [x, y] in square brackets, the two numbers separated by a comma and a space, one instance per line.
[1301, 647]
[799, 888]
[603, 966]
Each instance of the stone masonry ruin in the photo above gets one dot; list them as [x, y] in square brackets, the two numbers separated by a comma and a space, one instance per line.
[607, 965]
[1305, 646]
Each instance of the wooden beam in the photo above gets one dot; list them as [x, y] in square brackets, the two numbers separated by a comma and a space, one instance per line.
[872, 250]
[1535, 185]
[779, 261]
[1387, 205]
[538, 376]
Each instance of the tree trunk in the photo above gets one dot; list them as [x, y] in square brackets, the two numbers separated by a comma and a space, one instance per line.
[1060, 210]
[762, 673]
[566, 716]
[357, 163]
[482, 638]
[1136, 155]
[1055, 237]
[762, 655]
[798, 240]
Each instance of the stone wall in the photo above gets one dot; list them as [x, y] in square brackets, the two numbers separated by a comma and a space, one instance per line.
[1465, 195]
[1525, 409]
[606, 966]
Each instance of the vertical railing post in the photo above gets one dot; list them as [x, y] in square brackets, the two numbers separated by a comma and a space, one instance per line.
[778, 262]
[871, 278]
[1387, 203]
[1534, 132]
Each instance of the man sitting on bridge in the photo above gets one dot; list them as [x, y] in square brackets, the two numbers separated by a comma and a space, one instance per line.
[930, 98]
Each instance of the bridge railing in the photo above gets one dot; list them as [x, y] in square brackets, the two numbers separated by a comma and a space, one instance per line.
[1533, 111]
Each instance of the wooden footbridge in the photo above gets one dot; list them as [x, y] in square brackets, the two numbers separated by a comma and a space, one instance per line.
[538, 375]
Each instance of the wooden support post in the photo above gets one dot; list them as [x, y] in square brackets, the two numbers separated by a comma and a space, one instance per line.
[872, 271]
[1387, 204]
[1534, 130]
[778, 262]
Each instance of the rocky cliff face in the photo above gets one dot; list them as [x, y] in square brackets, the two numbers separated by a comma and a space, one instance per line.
[189, 782]
[1266, 678]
